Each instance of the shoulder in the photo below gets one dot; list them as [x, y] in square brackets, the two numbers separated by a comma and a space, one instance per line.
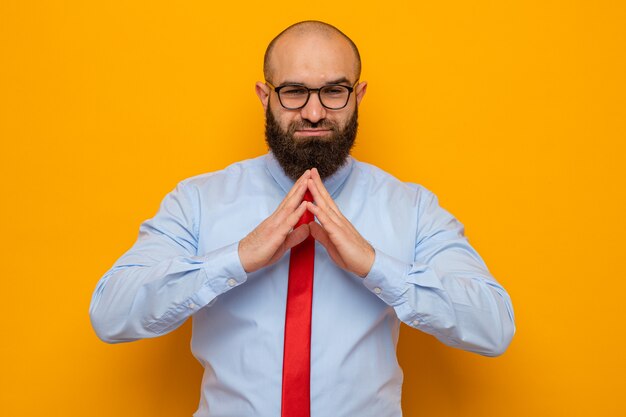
[223, 182]
[233, 172]
[221, 185]
[377, 179]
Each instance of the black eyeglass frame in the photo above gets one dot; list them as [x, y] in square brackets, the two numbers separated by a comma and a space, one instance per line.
[314, 90]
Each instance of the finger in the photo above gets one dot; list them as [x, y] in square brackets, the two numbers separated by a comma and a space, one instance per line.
[282, 225]
[319, 199]
[315, 176]
[322, 210]
[303, 178]
[294, 238]
[293, 200]
[284, 236]
[293, 218]
[322, 198]
[340, 233]
[298, 236]
[321, 236]
[326, 219]
[295, 188]
[289, 204]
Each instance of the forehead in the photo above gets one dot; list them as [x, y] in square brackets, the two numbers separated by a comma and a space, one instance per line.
[312, 59]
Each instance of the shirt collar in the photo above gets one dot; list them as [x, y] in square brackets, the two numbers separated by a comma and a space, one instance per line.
[332, 183]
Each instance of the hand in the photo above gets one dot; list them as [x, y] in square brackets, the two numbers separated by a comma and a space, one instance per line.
[274, 236]
[342, 241]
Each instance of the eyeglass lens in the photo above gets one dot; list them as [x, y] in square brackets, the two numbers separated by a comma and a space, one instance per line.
[331, 96]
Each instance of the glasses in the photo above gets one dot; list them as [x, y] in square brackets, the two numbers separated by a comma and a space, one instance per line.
[296, 96]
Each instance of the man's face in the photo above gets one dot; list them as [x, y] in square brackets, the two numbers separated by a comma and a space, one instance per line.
[312, 136]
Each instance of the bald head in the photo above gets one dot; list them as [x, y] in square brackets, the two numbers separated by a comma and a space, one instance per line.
[307, 30]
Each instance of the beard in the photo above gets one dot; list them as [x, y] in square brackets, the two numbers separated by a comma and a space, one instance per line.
[327, 154]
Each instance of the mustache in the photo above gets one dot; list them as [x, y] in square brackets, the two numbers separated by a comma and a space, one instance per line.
[305, 124]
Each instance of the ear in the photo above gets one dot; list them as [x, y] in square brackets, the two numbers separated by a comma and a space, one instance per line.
[263, 92]
[360, 91]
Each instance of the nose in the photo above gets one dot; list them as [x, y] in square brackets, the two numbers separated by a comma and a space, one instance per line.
[313, 111]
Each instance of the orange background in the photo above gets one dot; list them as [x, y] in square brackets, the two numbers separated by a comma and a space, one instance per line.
[512, 112]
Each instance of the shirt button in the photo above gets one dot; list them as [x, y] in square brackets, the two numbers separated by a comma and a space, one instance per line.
[231, 282]
[415, 323]
[191, 305]
[377, 290]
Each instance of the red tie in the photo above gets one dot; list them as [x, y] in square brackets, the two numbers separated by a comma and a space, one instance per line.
[297, 353]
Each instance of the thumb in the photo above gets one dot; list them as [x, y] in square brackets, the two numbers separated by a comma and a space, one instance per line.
[320, 234]
[297, 236]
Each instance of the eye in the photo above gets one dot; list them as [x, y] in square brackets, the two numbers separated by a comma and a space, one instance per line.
[335, 90]
[293, 91]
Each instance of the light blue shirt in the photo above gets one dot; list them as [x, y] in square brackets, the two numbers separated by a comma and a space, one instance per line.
[185, 264]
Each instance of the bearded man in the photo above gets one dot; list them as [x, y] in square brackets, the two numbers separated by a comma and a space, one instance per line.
[296, 315]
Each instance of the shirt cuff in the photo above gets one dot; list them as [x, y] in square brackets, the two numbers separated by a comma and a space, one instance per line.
[223, 272]
[391, 279]
[387, 278]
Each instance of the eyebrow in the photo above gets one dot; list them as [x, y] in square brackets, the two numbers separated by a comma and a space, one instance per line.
[331, 82]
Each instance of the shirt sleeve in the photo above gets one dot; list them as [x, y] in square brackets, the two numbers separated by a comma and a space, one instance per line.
[447, 291]
[155, 286]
